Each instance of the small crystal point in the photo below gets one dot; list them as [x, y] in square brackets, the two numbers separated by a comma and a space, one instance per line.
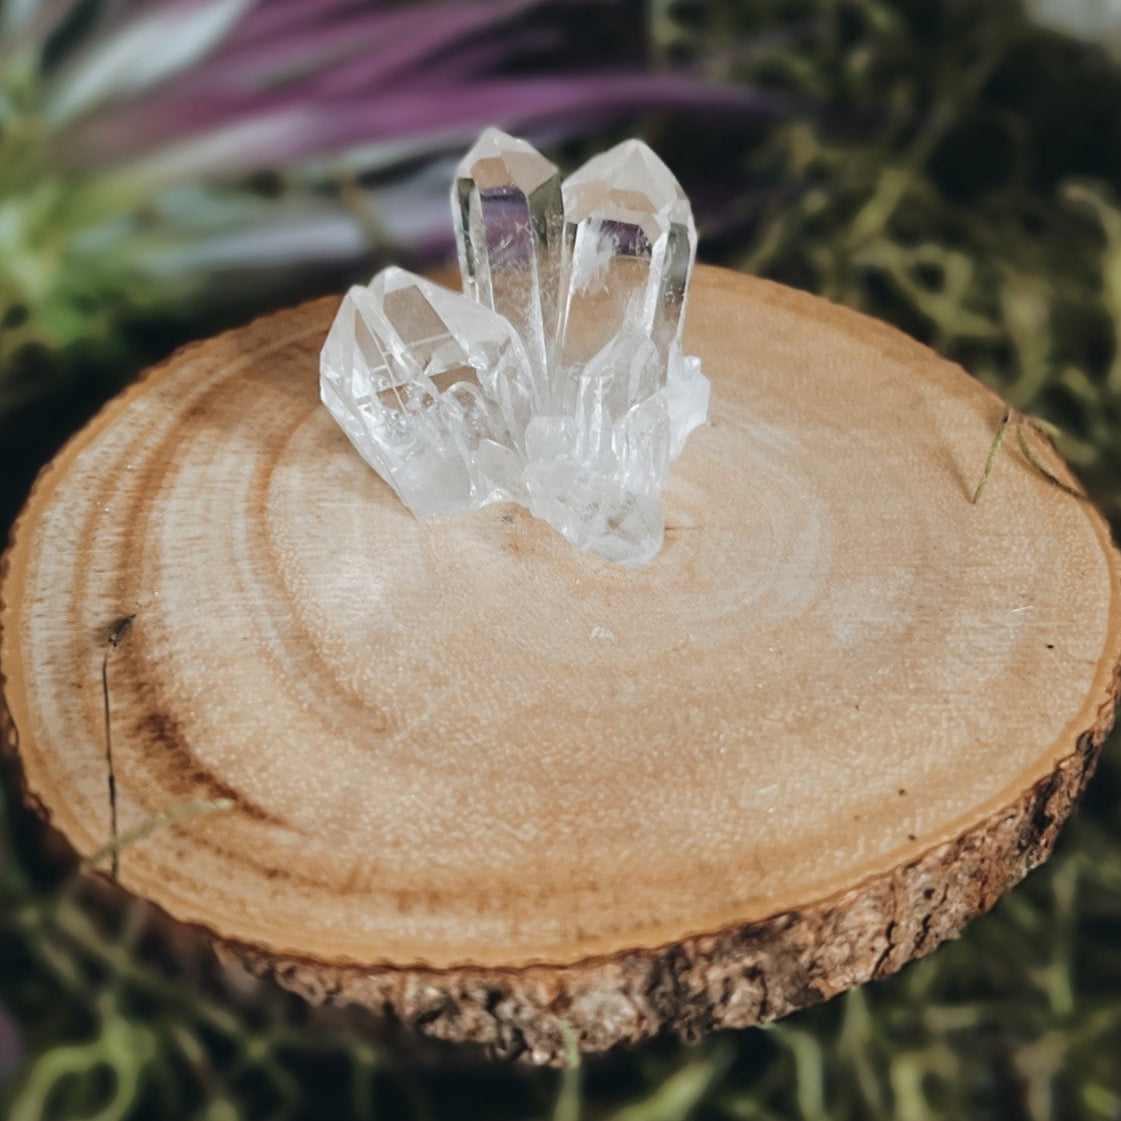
[595, 513]
[597, 474]
[419, 377]
[687, 394]
[629, 244]
[507, 201]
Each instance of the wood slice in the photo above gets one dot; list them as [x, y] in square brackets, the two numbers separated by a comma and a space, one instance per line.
[491, 785]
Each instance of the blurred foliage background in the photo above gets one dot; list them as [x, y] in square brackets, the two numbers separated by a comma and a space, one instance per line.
[171, 167]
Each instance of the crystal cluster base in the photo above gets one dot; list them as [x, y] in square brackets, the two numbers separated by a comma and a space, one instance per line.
[556, 379]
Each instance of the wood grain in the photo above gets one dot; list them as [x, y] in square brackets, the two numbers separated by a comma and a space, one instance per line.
[490, 784]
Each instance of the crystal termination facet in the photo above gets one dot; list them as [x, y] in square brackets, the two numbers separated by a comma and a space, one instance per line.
[556, 379]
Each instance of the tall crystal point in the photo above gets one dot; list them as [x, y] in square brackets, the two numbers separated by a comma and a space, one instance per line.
[629, 244]
[507, 202]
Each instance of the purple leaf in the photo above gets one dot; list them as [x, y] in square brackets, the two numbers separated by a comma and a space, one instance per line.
[235, 136]
[485, 56]
[282, 18]
[254, 65]
[453, 114]
[140, 52]
[221, 90]
[359, 53]
[427, 41]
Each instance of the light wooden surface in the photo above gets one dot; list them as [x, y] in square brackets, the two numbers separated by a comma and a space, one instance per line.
[838, 714]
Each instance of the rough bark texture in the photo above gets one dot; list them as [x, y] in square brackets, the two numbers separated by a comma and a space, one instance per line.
[898, 897]
[732, 979]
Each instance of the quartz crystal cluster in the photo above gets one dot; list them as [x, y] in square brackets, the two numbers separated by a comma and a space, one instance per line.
[556, 379]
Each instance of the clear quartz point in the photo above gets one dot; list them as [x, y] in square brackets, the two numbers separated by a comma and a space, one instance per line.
[629, 245]
[424, 381]
[687, 395]
[506, 198]
[597, 474]
[558, 380]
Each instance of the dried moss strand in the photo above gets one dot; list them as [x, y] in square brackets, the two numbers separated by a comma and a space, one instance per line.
[994, 451]
[196, 808]
[1019, 421]
[1037, 463]
[567, 1107]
